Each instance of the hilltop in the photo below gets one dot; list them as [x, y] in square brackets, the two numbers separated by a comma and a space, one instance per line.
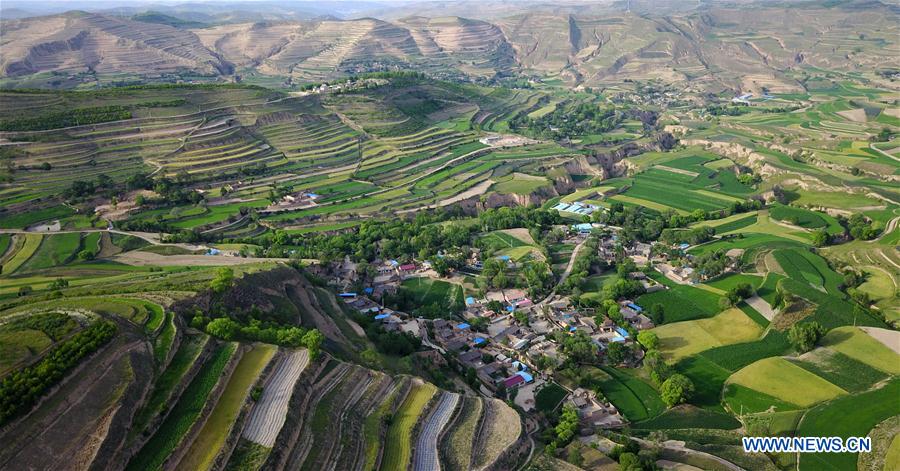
[713, 49]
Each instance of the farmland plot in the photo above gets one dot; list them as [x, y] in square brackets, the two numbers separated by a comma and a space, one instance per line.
[184, 413]
[682, 339]
[397, 451]
[208, 443]
[268, 415]
[501, 429]
[778, 378]
[426, 452]
[456, 448]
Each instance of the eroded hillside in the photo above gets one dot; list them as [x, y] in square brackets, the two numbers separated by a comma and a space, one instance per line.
[710, 49]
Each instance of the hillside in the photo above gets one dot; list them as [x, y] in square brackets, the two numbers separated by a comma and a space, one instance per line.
[713, 49]
[155, 393]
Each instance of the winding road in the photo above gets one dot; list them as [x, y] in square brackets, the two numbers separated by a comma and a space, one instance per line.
[567, 272]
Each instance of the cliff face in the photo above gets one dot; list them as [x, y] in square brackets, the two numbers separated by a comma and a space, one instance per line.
[611, 163]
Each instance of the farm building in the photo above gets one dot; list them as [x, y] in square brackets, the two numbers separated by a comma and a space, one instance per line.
[517, 380]
[577, 207]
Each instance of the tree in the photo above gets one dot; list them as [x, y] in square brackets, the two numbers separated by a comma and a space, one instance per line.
[59, 283]
[648, 339]
[472, 377]
[521, 317]
[495, 306]
[579, 348]
[223, 328]
[479, 324]
[615, 353]
[803, 337]
[313, 342]
[629, 462]
[675, 390]
[370, 358]
[575, 457]
[440, 266]
[222, 281]
[24, 290]
[567, 426]
[820, 238]
[658, 313]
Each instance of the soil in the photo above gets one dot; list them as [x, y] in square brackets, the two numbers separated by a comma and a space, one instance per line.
[139, 258]
[69, 420]
[890, 338]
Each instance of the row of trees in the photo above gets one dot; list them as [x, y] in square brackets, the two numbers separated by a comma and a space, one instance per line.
[21, 390]
[226, 328]
[67, 118]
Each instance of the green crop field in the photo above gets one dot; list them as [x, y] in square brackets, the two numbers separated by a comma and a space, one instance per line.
[634, 398]
[162, 344]
[23, 220]
[846, 417]
[856, 344]
[54, 250]
[780, 379]
[681, 339]
[372, 431]
[682, 303]
[426, 291]
[501, 240]
[840, 370]
[183, 413]
[23, 253]
[549, 397]
[5, 240]
[397, 451]
[209, 441]
[689, 417]
[730, 281]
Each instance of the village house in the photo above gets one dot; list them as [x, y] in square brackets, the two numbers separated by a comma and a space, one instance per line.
[593, 413]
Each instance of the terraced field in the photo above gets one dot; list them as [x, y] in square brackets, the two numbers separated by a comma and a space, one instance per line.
[426, 450]
[342, 412]
[208, 443]
[267, 416]
[398, 453]
[184, 413]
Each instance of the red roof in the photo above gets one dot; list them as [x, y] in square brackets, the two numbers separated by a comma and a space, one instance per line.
[408, 266]
[513, 381]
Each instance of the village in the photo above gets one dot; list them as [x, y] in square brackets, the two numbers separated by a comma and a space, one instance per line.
[512, 342]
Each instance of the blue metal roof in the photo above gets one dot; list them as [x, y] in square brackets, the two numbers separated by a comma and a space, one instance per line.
[478, 341]
[382, 316]
[470, 300]
[622, 332]
[462, 326]
[526, 376]
[635, 307]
